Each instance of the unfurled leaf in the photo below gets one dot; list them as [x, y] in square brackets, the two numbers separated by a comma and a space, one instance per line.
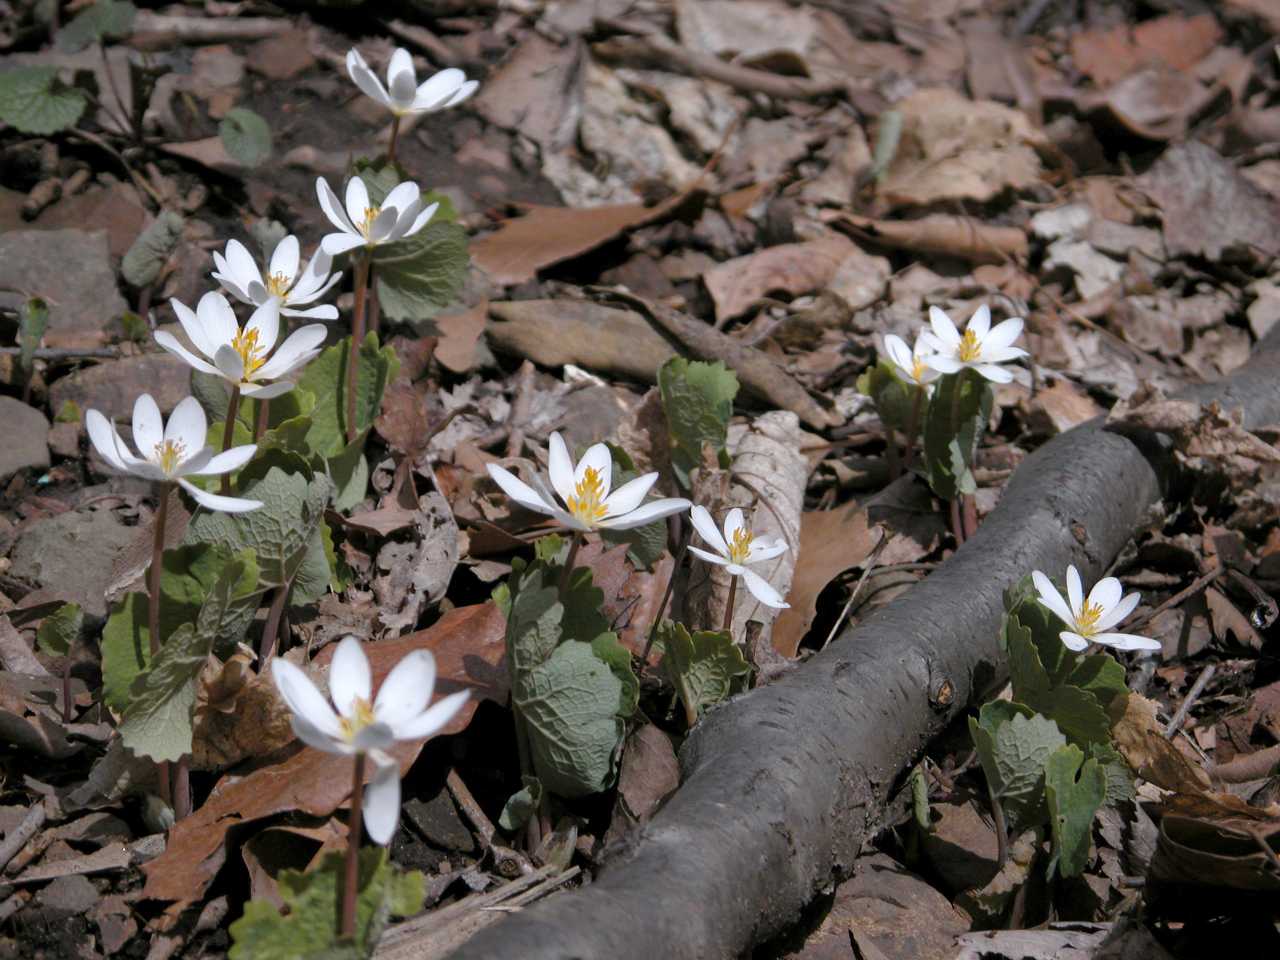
[106, 19]
[349, 471]
[325, 378]
[307, 929]
[149, 253]
[33, 100]
[705, 667]
[893, 397]
[246, 136]
[697, 398]
[956, 416]
[1120, 785]
[421, 275]
[521, 805]
[33, 320]
[60, 630]
[1072, 804]
[1013, 744]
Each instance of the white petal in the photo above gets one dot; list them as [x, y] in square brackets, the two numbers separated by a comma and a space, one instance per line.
[421, 220]
[434, 720]
[290, 354]
[599, 459]
[374, 737]
[188, 425]
[1127, 641]
[313, 736]
[229, 363]
[519, 491]
[1118, 613]
[1106, 593]
[995, 374]
[761, 552]
[943, 329]
[943, 363]
[168, 341]
[357, 200]
[229, 285]
[104, 438]
[148, 425]
[212, 501]
[332, 207]
[326, 311]
[267, 391]
[1002, 335]
[383, 225]
[707, 556]
[266, 320]
[402, 82]
[896, 350]
[646, 513]
[560, 467]
[381, 806]
[1075, 592]
[1001, 354]
[706, 527]
[629, 496]
[462, 94]
[438, 89]
[285, 257]
[192, 326]
[733, 522]
[336, 244]
[217, 319]
[980, 322]
[242, 265]
[404, 219]
[365, 79]
[193, 466]
[763, 591]
[402, 196]
[304, 698]
[1051, 598]
[407, 689]
[1073, 640]
[349, 676]
[229, 460]
[316, 278]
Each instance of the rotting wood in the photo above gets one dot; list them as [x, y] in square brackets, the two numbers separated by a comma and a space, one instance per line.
[783, 786]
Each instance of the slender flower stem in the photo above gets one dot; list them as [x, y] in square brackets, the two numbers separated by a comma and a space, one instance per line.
[728, 610]
[374, 310]
[351, 875]
[182, 788]
[228, 434]
[153, 605]
[264, 414]
[913, 426]
[568, 563]
[891, 451]
[957, 522]
[357, 338]
[395, 135]
[666, 598]
[267, 649]
[1002, 829]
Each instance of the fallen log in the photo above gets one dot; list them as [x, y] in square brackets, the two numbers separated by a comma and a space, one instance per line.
[782, 786]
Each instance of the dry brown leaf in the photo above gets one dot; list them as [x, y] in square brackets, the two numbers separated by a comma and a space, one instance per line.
[1139, 737]
[631, 596]
[460, 335]
[1180, 42]
[469, 647]
[961, 237]
[1218, 841]
[1157, 102]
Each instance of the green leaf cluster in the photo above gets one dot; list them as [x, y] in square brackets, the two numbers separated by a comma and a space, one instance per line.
[307, 927]
[572, 684]
[60, 630]
[419, 276]
[33, 100]
[148, 254]
[106, 19]
[705, 666]
[894, 398]
[697, 398]
[245, 136]
[953, 425]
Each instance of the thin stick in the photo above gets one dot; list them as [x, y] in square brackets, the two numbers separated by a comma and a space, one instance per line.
[153, 608]
[866, 572]
[395, 135]
[728, 610]
[357, 338]
[264, 414]
[229, 432]
[1175, 723]
[466, 802]
[1197, 585]
[957, 527]
[969, 513]
[351, 881]
[17, 838]
[182, 788]
[267, 648]
[568, 563]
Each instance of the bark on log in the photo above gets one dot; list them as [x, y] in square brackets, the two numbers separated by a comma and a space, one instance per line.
[783, 785]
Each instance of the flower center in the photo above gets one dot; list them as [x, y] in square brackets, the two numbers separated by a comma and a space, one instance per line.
[278, 285]
[168, 454]
[918, 368]
[361, 717]
[587, 504]
[970, 347]
[740, 545]
[1090, 613]
[252, 355]
[366, 225]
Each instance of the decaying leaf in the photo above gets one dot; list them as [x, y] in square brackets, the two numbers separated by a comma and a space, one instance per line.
[1139, 737]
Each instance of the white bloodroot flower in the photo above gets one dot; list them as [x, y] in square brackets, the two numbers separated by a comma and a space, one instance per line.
[366, 725]
[239, 275]
[246, 357]
[171, 452]
[737, 548]
[361, 225]
[982, 347]
[1089, 620]
[584, 490]
[403, 94]
[911, 361]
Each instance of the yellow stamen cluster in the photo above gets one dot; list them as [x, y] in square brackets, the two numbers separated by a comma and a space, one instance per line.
[168, 454]
[278, 284]
[366, 225]
[918, 368]
[740, 545]
[246, 344]
[970, 348]
[361, 717]
[587, 503]
[1090, 613]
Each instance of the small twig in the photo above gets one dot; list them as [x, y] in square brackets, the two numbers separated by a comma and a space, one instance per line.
[1249, 767]
[1175, 723]
[137, 178]
[462, 796]
[67, 353]
[868, 566]
[1265, 611]
[1197, 585]
[17, 837]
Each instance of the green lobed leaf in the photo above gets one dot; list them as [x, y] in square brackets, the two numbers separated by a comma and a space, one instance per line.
[1072, 804]
[697, 399]
[705, 667]
[307, 929]
[33, 100]
[1013, 745]
[953, 425]
[325, 380]
[349, 471]
[157, 720]
[33, 320]
[647, 543]
[151, 250]
[893, 397]
[105, 19]
[419, 276]
[522, 804]
[246, 136]
[1120, 778]
[60, 630]
[570, 704]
